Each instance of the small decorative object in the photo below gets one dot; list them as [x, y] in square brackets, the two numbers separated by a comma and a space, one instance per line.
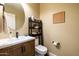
[59, 17]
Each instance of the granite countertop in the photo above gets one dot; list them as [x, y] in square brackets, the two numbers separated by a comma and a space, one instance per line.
[13, 41]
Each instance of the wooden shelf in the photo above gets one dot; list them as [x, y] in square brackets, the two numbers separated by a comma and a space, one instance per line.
[38, 29]
[35, 28]
[35, 34]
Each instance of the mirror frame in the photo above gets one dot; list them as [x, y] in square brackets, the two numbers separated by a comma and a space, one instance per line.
[18, 28]
[3, 29]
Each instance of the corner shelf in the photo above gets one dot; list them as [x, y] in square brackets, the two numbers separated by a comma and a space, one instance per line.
[35, 29]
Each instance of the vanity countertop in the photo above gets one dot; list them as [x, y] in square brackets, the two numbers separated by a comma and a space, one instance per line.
[13, 41]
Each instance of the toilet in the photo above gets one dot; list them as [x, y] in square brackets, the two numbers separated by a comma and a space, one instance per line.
[40, 50]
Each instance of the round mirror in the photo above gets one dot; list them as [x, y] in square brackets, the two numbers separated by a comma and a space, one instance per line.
[18, 11]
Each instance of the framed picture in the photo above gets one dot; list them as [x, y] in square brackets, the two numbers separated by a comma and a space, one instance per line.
[59, 17]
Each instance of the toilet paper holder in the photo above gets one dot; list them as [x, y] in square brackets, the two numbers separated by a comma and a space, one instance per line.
[56, 44]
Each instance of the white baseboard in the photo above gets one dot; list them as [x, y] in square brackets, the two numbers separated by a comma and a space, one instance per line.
[51, 54]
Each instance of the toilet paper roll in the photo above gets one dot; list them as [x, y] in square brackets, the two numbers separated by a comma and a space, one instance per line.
[56, 43]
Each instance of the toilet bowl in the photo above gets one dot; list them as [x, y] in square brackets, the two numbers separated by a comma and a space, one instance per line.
[41, 50]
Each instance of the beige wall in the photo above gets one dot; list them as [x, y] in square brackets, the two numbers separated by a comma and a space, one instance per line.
[30, 10]
[66, 33]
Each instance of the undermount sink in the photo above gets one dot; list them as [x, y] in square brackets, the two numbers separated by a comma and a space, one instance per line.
[20, 38]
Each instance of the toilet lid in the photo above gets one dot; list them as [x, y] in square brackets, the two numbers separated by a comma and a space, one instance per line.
[41, 48]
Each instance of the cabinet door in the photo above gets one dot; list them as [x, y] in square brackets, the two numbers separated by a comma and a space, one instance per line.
[5, 52]
[11, 51]
[16, 50]
[29, 48]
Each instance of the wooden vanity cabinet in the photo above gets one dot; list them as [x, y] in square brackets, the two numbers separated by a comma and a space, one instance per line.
[22, 49]
[29, 48]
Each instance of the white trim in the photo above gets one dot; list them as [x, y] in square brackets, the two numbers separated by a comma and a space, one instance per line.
[51, 54]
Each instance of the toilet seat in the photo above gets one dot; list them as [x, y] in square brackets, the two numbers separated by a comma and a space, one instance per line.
[41, 49]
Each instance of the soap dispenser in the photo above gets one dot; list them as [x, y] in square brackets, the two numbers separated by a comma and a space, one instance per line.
[16, 34]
